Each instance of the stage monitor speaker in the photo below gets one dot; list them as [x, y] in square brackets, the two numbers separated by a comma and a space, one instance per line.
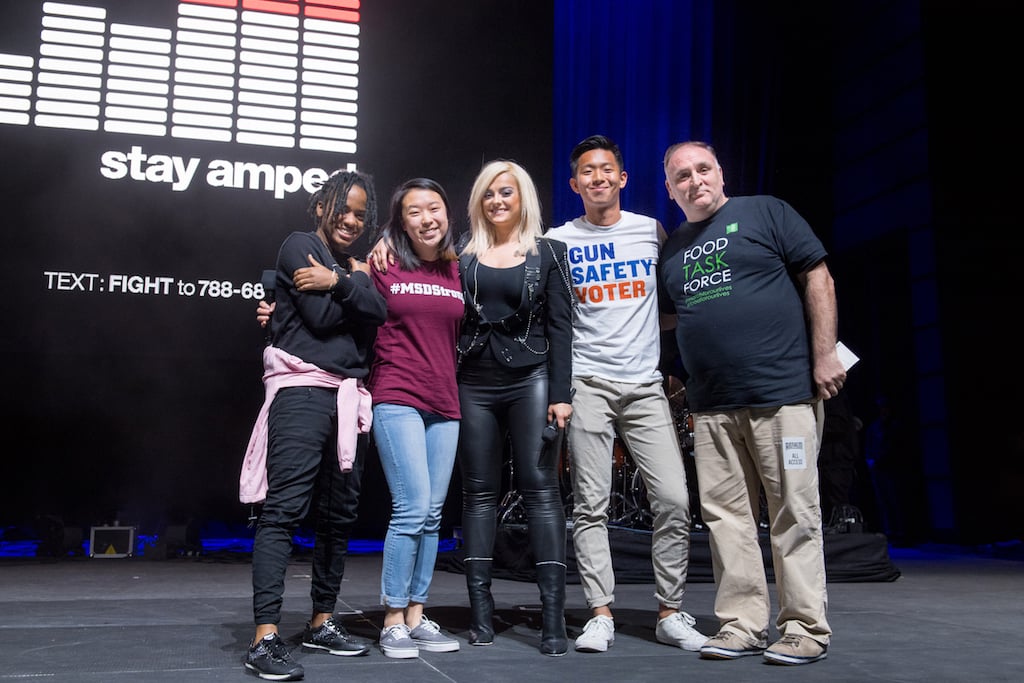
[112, 541]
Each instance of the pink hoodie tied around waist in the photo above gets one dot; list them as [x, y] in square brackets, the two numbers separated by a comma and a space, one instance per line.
[281, 369]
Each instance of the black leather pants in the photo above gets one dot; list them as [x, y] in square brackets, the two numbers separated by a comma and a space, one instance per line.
[502, 406]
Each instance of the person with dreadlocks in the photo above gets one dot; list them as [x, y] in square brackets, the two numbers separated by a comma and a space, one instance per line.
[415, 404]
[308, 443]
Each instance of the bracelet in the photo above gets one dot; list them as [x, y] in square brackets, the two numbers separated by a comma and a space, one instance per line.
[335, 283]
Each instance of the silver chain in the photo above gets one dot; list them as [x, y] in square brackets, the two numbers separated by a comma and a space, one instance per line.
[530, 289]
[572, 298]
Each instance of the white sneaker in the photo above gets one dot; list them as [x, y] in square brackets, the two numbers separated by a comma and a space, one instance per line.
[598, 635]
[678, 629]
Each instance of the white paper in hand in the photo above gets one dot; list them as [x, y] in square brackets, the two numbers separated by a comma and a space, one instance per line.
[847, 357]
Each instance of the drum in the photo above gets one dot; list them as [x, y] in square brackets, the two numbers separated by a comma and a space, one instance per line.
[620, 456]
[627, 502]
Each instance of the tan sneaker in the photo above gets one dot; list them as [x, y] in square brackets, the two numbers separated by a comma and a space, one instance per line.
[794, 649]
[727, 645]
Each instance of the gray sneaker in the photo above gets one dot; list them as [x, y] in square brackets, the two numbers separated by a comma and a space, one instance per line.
[396, 643]
[428, 636]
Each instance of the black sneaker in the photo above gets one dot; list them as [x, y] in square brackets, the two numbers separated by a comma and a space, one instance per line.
[333, 637]
[270, 659]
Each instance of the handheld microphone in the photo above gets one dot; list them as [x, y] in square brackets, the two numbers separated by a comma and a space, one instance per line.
[550, 432]
[269, 282]
[552, 445]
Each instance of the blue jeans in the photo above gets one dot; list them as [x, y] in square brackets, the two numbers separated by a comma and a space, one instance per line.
[417, 454]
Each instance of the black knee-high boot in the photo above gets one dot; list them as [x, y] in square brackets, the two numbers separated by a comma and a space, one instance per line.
[551, 582]
[481, 602]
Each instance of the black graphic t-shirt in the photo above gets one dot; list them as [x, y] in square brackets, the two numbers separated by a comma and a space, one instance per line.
[741, 329]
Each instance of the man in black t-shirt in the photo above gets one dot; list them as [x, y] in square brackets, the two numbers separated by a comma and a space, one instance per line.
[756, 331]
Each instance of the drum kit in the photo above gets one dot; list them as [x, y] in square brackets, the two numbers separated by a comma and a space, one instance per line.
[628, 505]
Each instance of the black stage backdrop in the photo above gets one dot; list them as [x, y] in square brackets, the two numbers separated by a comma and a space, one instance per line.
[133, 356]
[138, 406]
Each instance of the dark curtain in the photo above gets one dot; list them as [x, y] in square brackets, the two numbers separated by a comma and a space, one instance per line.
[637, 72]
[650, 73]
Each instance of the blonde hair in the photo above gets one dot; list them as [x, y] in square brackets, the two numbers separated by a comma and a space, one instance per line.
[481, 232]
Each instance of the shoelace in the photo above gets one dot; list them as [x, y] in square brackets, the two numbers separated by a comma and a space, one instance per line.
[429, 625]
[331, 626]
[687, 619]
[277, 649]
[402, 631]
[790, 639]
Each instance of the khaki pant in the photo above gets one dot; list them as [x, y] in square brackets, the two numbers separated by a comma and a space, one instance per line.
[737, 452]
[641, 415]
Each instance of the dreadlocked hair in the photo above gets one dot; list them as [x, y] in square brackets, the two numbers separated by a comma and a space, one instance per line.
[333, 193]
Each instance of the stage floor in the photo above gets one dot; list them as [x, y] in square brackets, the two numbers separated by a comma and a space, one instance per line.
[949, 617]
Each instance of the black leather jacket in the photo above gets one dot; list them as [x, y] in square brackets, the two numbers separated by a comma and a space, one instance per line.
[539, 330]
